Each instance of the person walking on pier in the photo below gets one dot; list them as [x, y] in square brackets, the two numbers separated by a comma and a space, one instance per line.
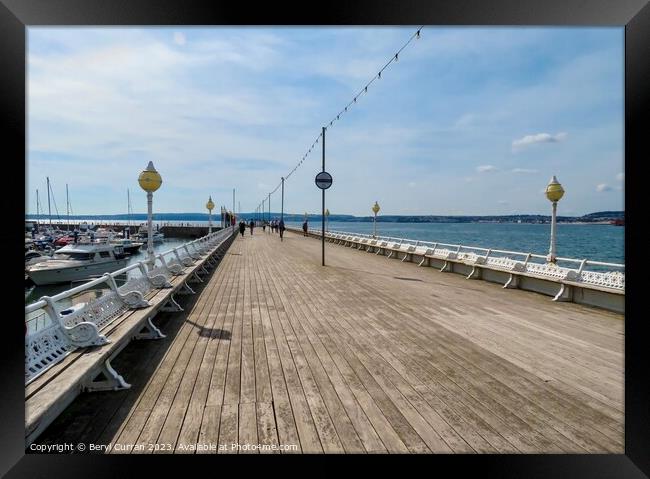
[252, 225]
[281, 228]
[242, 228]
[264, 226]
[305, 227]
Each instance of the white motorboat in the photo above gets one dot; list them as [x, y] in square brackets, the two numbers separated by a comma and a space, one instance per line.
[104, 234]
[33, 257]
[157, 236]
[78, 262]
[129, 246]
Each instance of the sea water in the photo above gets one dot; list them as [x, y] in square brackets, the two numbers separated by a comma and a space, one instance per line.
[598, 242]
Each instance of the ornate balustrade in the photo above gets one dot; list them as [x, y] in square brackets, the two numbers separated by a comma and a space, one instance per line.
[534, 265]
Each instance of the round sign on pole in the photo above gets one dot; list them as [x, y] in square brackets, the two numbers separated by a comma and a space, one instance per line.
[323, 180]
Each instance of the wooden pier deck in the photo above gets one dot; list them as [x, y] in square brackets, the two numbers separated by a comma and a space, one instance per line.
[365, 355]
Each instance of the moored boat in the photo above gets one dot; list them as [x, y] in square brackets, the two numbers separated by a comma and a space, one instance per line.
[64, 240]
[33, 257]
[77, 262]
[130, 247]
[157, 236]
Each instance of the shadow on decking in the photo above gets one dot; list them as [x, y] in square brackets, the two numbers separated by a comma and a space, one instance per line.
[214, 333]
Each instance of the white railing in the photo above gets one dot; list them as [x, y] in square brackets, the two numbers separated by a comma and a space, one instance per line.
[607, 275]
[53, 330]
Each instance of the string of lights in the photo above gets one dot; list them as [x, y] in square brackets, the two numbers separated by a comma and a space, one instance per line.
[345, 109]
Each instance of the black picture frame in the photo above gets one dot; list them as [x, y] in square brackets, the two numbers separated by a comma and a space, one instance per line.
[634, 15]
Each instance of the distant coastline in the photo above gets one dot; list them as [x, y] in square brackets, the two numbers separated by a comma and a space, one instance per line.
[600, 217]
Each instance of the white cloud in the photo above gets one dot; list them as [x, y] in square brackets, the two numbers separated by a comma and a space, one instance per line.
[486, 169]
[620, 177]
[528, 140]
[179, 38]
[524, 170]
[412, 184]
[601, 188]
[503, 202]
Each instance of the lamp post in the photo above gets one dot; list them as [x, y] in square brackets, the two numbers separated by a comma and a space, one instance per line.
[209, 205]
[554, 193]
[150, 180]
[327, 219]
[375, 210]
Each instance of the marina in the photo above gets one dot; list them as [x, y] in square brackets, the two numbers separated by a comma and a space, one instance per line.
[275, 350]
[50, 290]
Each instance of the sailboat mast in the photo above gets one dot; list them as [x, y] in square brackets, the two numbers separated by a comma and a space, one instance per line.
[49, 209]
[38, 207]
[128, 208]
[67, 206]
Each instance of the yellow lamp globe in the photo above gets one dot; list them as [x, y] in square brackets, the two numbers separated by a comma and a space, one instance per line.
[554, 190]
[150, 180]
[209, 205]
[375, 208]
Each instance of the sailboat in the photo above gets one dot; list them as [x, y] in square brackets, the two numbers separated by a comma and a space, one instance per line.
[129, 246]
[66, 238]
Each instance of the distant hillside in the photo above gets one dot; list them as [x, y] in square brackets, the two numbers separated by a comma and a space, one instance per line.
[292, 217]
[605, 215]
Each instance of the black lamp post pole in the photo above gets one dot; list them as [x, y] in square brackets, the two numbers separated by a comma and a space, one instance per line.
[323, 208]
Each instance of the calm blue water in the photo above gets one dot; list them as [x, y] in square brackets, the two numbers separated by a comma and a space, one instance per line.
[595, 242]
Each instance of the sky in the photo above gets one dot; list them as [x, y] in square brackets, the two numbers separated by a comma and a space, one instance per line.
[468, 121]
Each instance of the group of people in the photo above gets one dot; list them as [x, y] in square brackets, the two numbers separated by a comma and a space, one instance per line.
[275, 225]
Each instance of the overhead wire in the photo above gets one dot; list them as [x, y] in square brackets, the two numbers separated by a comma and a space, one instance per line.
[337, 117]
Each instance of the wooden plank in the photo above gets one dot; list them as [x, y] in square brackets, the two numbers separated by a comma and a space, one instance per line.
[229, 429]
[161, 389]
[213, 337]
[443, 364]
[286, 425]
[266, 428]
[209, 433]
[247, 393]
[413, 416]
[233, 370]
[227, 315]
[182, 399]
[342, 423]
[304, 422]
[248, 441]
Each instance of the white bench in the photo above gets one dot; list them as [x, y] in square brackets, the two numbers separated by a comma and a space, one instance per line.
[75, 350]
